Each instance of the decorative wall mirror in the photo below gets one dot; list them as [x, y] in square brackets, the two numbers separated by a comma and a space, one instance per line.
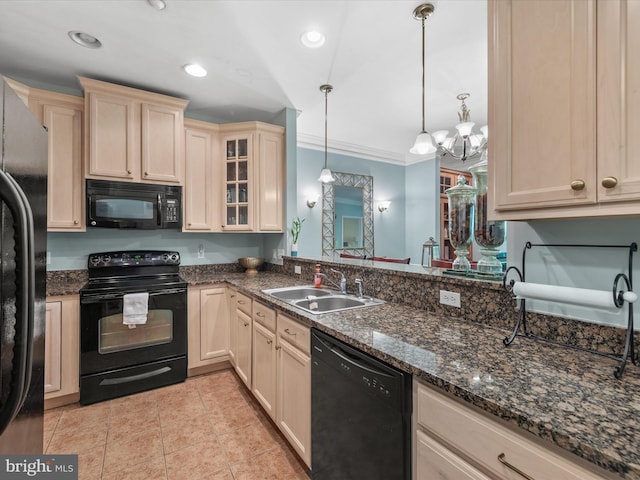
[347, 215]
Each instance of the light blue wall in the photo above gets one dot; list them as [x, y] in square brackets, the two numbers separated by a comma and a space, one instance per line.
[589, 268]
[422, 190]
[278, 243]
[388, 184]
[69, 250]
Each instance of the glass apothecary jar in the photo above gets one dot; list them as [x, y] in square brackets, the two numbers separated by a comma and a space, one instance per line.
[489, 234]
[461, 205]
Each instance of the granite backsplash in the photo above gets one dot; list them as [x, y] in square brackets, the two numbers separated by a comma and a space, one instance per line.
[485, 302]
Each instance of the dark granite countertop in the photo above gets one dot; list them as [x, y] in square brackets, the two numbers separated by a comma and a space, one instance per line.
[564, 396]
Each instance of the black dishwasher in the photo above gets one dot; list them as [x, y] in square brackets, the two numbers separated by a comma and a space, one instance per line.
[360, 414]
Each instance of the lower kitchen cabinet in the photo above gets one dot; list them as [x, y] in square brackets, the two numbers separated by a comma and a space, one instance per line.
[208, 326]
[240, 335]
[264, 357]
[454, 442]
[62, 350]
[293, 402]
[434, 460]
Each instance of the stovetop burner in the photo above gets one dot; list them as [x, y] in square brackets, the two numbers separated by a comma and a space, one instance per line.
[131, 270]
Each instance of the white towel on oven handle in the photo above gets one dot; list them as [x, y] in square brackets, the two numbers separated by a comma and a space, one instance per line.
[135, 307]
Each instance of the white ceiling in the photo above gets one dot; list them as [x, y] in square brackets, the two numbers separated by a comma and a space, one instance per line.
[257, 65]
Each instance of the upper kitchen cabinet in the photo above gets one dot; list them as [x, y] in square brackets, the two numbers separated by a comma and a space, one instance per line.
[62, 116]
[563, 83]
[203, 173]
[253, 173]
[133, 135]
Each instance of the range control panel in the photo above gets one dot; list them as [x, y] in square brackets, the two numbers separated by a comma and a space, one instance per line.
[133, 258]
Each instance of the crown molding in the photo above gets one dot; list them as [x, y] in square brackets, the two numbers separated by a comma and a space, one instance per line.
[313, 142]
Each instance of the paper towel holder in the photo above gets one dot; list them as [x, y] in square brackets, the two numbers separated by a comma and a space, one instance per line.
[620, 297]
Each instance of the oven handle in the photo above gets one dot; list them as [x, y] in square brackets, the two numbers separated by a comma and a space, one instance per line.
[134, 378]
[98, 297]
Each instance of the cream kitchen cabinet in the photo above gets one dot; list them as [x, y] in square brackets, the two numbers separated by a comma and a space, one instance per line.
[62, 115]
[203, 173]
[563, 77]
[264, 357]
[453, 441]
[241, 335]
[293, 402]
[133, 135]
[62, 350]
[208, 327]
[253, 173]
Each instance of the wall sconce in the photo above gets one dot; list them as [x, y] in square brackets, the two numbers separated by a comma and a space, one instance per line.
[383, 206]
[312, 200]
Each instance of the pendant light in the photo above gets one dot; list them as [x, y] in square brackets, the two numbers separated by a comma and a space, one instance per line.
[325, 174]
[424, 142]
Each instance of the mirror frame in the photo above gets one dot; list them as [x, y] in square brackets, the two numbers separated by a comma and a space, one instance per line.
[365, 182]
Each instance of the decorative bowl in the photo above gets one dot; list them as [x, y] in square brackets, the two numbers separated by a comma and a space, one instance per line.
[251, 264]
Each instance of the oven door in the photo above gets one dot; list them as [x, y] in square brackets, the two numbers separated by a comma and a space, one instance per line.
[107, 344]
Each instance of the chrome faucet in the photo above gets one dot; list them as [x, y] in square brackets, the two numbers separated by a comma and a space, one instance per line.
[343, 281]
[358, 281]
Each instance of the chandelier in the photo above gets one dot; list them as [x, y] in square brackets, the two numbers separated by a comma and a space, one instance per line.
[472, 144]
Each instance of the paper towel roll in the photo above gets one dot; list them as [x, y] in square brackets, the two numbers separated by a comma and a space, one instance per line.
[575, 296]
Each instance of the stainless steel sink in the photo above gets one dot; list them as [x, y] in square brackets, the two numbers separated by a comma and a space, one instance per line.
[298, 293]
[320, 300]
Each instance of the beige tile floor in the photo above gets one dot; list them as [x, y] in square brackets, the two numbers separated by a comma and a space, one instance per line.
[208, 427]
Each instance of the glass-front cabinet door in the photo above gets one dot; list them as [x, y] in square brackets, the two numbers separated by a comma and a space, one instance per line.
[238, 201]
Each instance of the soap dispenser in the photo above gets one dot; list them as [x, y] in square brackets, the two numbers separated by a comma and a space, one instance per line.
[317, 277]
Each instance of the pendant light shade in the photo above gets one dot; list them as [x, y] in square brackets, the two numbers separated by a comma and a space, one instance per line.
[325, 175]
[424, 143]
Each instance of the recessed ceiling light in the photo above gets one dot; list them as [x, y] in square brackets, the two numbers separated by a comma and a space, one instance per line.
[158, 4]
[312, 39]
[84, 39]
[195, 70]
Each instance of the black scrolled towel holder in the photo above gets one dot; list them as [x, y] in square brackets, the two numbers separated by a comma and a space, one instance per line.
[620, 297]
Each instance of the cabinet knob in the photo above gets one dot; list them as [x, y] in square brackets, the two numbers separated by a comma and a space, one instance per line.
[609, 182]
[269, 341]
[75, 222]
[146, 174]
[246, 324]
[278, 347]
[129, 172]
[577, 185]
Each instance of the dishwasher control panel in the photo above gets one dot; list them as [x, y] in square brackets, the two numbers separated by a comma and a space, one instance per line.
[379, 379]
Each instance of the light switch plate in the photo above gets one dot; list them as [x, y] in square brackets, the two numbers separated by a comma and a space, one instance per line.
[297, 269]
[201, 251]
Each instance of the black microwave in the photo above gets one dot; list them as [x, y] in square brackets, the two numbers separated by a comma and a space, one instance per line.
[133, 205]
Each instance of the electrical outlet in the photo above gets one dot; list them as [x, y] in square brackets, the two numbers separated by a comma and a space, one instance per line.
[48, 258]
[297, 269]
[201, 251]
[450, 298]
[280, 253]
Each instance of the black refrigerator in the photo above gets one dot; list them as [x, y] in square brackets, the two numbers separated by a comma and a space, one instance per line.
[23, 217]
